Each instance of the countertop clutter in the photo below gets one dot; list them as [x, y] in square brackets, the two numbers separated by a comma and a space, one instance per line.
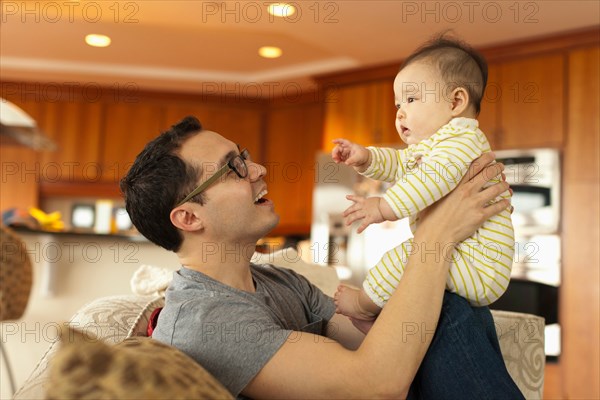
[35, 221]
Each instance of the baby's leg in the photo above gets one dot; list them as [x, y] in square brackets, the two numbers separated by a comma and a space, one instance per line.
[383, 278]
[354, 303]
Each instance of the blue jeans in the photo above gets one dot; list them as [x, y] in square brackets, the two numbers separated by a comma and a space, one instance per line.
[464, 359]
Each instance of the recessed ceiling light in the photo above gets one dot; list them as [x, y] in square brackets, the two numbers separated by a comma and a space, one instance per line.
[270, 52]
[97, 40]
[281, 9]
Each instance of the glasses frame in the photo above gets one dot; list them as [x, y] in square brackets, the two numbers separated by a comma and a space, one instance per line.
[229, 166]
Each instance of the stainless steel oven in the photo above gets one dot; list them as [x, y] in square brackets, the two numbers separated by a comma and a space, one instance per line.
[535, 177]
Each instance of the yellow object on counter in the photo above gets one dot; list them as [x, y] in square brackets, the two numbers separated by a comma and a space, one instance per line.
[52, 221]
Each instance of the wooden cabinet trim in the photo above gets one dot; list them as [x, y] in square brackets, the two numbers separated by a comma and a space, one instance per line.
[506, 51]
[53, 92]
[80, 189]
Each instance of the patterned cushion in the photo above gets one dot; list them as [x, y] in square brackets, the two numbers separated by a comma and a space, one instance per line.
[15, 275]
[112, 319]
[521, 338]
[85, 368]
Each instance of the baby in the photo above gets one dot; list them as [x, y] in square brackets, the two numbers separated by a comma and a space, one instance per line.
[438, 94]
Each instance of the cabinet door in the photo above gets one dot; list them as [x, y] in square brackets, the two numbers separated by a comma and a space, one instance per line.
[387, 134]
[488, 117]
[239, 123]
[76, 128]
[290, 162]
[353, 113]
[532, 102]
[20, 166]
[127, 129]
[579, 296]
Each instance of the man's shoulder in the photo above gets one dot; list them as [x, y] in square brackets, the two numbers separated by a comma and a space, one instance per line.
[272, 269]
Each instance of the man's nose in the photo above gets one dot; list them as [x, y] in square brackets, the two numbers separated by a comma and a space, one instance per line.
[256, 171]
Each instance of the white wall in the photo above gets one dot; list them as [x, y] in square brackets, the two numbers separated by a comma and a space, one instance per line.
[85, 268]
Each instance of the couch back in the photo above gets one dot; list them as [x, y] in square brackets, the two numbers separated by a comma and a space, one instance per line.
[115, 318]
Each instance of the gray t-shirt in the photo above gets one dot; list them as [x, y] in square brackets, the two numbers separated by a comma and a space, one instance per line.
[233, 333]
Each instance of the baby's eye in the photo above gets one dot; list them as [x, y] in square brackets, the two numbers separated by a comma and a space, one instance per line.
[410, 100]
[397, 106]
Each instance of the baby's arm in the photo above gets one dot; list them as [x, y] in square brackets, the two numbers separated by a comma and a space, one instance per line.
[438, 173]
[387, 164]
[351, 154]
[369, 210]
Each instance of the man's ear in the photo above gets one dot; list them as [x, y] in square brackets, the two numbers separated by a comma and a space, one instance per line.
[460, 101]
[187, 218]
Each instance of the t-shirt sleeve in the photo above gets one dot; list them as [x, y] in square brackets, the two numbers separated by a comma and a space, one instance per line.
[315, 300]
[220, 334]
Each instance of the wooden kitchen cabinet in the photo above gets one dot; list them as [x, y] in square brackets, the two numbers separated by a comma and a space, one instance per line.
[387, 122]
[239, 123]
[20, 165]
[293, 137]
[522, 107]
[488, 116]
[579, 297]
[363, 113]
[127, 128]
[75, 126]
[531, 107]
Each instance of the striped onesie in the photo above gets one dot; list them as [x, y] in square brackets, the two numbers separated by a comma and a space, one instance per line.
[424, 173]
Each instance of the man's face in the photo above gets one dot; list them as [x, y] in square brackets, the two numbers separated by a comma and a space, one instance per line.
[422, 102]
[235, 209]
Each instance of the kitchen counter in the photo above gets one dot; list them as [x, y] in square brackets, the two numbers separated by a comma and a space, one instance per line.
[133, 236]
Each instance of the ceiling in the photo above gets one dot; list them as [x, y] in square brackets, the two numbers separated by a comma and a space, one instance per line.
[212, 46]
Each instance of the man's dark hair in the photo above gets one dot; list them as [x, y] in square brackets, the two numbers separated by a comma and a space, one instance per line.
[157, 180]
[458, 63]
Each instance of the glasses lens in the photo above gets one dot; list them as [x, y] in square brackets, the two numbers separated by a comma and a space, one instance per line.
[240, 166]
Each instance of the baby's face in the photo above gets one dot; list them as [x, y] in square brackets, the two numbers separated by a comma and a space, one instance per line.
[422, 101]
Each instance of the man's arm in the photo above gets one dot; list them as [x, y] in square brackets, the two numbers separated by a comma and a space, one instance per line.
[341, 329]
[311, 366]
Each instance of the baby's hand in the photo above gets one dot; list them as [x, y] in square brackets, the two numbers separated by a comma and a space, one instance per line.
[365, 209]
[351, 154]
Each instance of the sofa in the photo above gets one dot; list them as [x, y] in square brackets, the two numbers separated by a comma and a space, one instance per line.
[118, 326]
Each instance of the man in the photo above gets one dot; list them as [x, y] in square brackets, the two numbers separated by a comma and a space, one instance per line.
[266, 332]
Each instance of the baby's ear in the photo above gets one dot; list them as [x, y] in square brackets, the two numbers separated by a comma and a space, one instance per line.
[460, 101]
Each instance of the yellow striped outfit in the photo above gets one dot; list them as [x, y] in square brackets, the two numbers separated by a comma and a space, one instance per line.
[424, 173]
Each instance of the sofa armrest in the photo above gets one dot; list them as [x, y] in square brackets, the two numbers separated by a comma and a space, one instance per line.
[521, 338]
[111, 319]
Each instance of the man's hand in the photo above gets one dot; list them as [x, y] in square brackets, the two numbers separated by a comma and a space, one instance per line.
[351, 154]
[365, 209]
[469, 205]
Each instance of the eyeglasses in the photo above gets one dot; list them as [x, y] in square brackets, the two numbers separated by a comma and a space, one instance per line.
[237, 164]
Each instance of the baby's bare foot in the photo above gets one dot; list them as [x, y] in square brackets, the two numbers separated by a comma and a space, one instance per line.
[346, 303]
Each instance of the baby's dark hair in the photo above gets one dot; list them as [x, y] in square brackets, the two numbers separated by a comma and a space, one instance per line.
[458, 63]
